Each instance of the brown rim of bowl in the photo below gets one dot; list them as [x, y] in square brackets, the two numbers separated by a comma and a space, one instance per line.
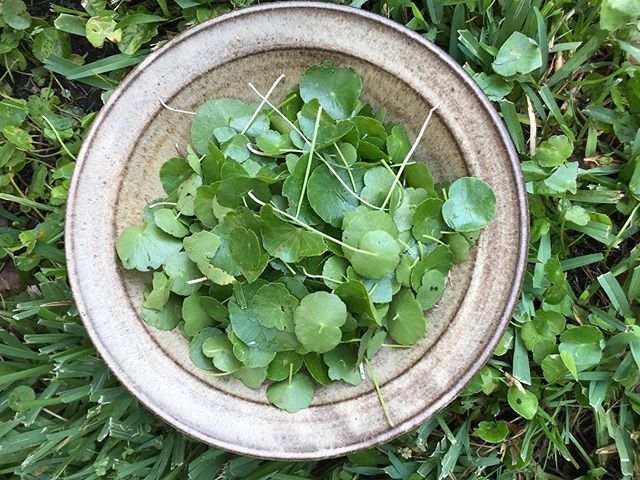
[523, 246]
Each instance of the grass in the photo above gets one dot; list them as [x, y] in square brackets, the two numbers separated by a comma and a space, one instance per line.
[560, 399]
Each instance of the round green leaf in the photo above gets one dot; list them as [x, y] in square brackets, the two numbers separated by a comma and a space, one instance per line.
[317, 368]
[398, 144]
[403, 213]
[342, 363]
[251, 377]
[173, 173]
[431, 289]
[334, 271]
[247, 252]
[355, 295]
[195, 349]
[459, 247]
[523, 402]
[288, 242]
[99, 29]
[418, 175]
[427, 221]
[246, 323]
[361, 221]
[15, 13]
[519, 54]
[318, 320]
[168, 222]
[328, 197]
[383, 256]
[215, 114]
[180, 271]
[378, 182]
[51, 41]
[145, 247]
[471, 205]
[157, 298]
[440, 258]
[284, 363]
[251, 357]
[336, 89]
[232, 192]
[554, 151]
[165, 319]
[220, 350]
[492, 432]
[406, 321]
[291, 396]
[276, 306]
[195, 315]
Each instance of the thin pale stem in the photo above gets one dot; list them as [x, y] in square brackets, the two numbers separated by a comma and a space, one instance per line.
[378, 391]
[277, 110]
[406, 159]
[346, 164]
[160, 204]
[176, 110]
[261, 104]
[197, 280]
[55, 132]
[265, 154]
[622, 230]
[319, 277]
[346, 187]
[308, 170]
[533, 127]
[308, 227]
[433, 239]
[293, 272]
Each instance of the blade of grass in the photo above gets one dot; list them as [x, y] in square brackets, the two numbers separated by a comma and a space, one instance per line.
[582, 55]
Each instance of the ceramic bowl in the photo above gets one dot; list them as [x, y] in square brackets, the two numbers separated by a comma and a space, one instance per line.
[117, 173]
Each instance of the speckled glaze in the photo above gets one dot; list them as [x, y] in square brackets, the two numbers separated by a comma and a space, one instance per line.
[117, 173]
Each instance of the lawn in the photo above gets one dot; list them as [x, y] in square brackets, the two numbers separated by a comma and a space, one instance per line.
[560, 398]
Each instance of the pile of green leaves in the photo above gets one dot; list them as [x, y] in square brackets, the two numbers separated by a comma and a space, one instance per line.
[525, 415]
[292, 240]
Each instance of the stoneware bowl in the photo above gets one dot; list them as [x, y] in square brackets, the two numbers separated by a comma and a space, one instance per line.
[117, 173]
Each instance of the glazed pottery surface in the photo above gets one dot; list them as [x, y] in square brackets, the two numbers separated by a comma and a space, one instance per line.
[117, 174]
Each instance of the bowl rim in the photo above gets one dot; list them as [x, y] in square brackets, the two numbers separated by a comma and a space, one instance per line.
[523, 227]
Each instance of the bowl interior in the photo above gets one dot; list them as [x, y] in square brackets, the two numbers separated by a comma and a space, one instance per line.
[167, 131]
[117, 174]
